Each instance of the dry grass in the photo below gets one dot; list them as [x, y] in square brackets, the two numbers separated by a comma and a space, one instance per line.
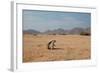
[68, 47]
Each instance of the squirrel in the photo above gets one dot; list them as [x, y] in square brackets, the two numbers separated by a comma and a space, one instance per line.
[51, 44]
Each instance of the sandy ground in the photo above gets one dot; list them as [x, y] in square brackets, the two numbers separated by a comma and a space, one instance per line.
[68, 47]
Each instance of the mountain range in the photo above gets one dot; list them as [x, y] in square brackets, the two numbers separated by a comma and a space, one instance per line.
[60, 31]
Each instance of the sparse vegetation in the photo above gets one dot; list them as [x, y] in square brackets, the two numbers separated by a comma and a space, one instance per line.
[34, 34]
[85, 33]
[68, 47]
[63, 34]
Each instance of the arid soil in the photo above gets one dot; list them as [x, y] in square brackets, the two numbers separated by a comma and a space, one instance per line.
[68, 47]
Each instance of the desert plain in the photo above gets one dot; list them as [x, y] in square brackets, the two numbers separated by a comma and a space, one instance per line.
[68, 47]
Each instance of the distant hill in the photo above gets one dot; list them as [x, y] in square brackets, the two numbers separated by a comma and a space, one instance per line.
[31, 31]
[88, 30]
[76, 30]
[60, 31]
[56, 31]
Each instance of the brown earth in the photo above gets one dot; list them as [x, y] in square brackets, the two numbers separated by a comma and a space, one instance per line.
[68, 47]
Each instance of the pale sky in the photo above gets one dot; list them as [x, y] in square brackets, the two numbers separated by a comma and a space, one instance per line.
[50, 20]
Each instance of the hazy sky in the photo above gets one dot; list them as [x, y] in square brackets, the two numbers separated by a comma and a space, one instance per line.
[50, 20]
